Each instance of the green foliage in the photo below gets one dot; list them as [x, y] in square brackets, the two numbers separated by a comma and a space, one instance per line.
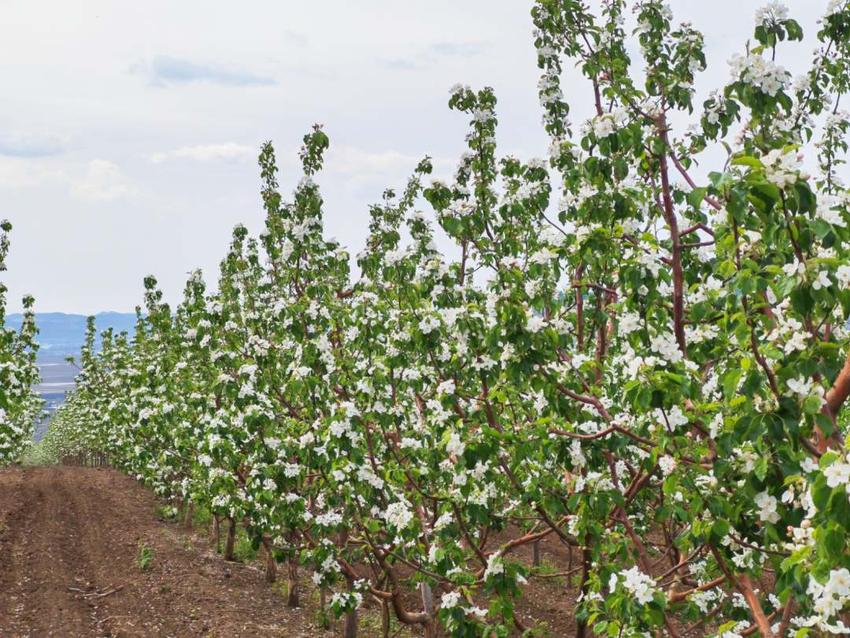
[243, 550]
[20, 405]
[145, 557]
[201, 516]
[638, 360]
[166, 512]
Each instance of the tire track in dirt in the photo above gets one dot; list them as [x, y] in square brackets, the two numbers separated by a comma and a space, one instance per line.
[81, 528]
[43, 565]
[64, 527]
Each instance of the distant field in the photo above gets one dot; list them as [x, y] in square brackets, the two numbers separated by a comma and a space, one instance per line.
[57, 379]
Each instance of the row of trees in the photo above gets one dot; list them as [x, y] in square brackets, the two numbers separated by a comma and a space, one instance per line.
[20, 405]
[617, 347]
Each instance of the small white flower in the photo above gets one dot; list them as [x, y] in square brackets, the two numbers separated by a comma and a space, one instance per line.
[667, 464]
[641, 586]
[842, 274]
[495, 566]
[837, 473]
[771, 14]
[767, 507]
[398, 515]
[454, 445]
[450, 600]
[821, 280]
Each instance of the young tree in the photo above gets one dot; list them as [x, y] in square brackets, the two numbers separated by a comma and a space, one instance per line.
[20, 405]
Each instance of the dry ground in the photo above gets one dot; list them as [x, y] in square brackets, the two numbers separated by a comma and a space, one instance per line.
[70, 540]
[69, 546]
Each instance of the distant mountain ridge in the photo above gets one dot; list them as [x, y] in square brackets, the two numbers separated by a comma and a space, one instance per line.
[61, 334]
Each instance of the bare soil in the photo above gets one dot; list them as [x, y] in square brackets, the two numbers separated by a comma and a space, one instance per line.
[70, 539]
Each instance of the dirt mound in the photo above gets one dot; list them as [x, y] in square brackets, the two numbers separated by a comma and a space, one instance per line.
[70, 543]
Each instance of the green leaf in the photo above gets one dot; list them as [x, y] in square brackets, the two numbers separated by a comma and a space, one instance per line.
[747, 160]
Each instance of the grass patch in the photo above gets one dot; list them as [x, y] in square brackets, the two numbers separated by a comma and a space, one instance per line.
[201, 516]
[371, 623]
[167, 513]
[243, 551]
[145, 557]
[323, 617]
[549, 570]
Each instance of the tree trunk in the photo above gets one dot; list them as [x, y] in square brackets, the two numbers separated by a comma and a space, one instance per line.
[324, 618]
[188, 514]
[349, 627]
[385, 619]
[535, 554]
[271, 563]
[217, 532]
[430, 628]
[586, 559]
[231, 539]
[292, 582]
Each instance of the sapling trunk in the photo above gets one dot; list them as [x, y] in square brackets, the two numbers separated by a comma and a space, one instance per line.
[349, 627]
[217, 532]
[323, 608]
[292, 582]
[427, 595]
[231, 539]
[271, 563]
[188, 515]
[385, 619]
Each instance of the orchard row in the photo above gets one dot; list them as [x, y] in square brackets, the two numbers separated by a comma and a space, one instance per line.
[634, 347]
[20, 405]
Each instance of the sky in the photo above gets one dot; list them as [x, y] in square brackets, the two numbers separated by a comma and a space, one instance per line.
[129, 131]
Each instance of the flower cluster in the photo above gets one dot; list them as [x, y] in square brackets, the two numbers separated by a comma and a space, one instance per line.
[638, 584]
[772, 13]
[759, 72]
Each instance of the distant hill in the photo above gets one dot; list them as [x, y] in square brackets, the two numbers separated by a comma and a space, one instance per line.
[61, 334]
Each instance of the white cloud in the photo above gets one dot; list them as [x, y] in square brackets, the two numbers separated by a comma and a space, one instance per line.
[102, 181]
[18, 173]
[209, 152]
[164, 70]
[31, 144]
[357, 161]
[94, 181]
[458, 49]
[434, 54]
[350, 159]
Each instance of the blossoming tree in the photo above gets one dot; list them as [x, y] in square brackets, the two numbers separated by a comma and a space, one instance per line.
[636, 347]
[20, 406]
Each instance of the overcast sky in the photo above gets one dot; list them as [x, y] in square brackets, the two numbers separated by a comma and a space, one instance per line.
[129, 130]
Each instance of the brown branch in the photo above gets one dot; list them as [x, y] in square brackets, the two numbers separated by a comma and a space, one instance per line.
[676, 253]
[708, 199]
[697, 226]
[840, 390]
[743, 584]
[681, 595]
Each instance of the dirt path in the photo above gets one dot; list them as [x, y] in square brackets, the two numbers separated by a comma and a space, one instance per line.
[69, 543]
